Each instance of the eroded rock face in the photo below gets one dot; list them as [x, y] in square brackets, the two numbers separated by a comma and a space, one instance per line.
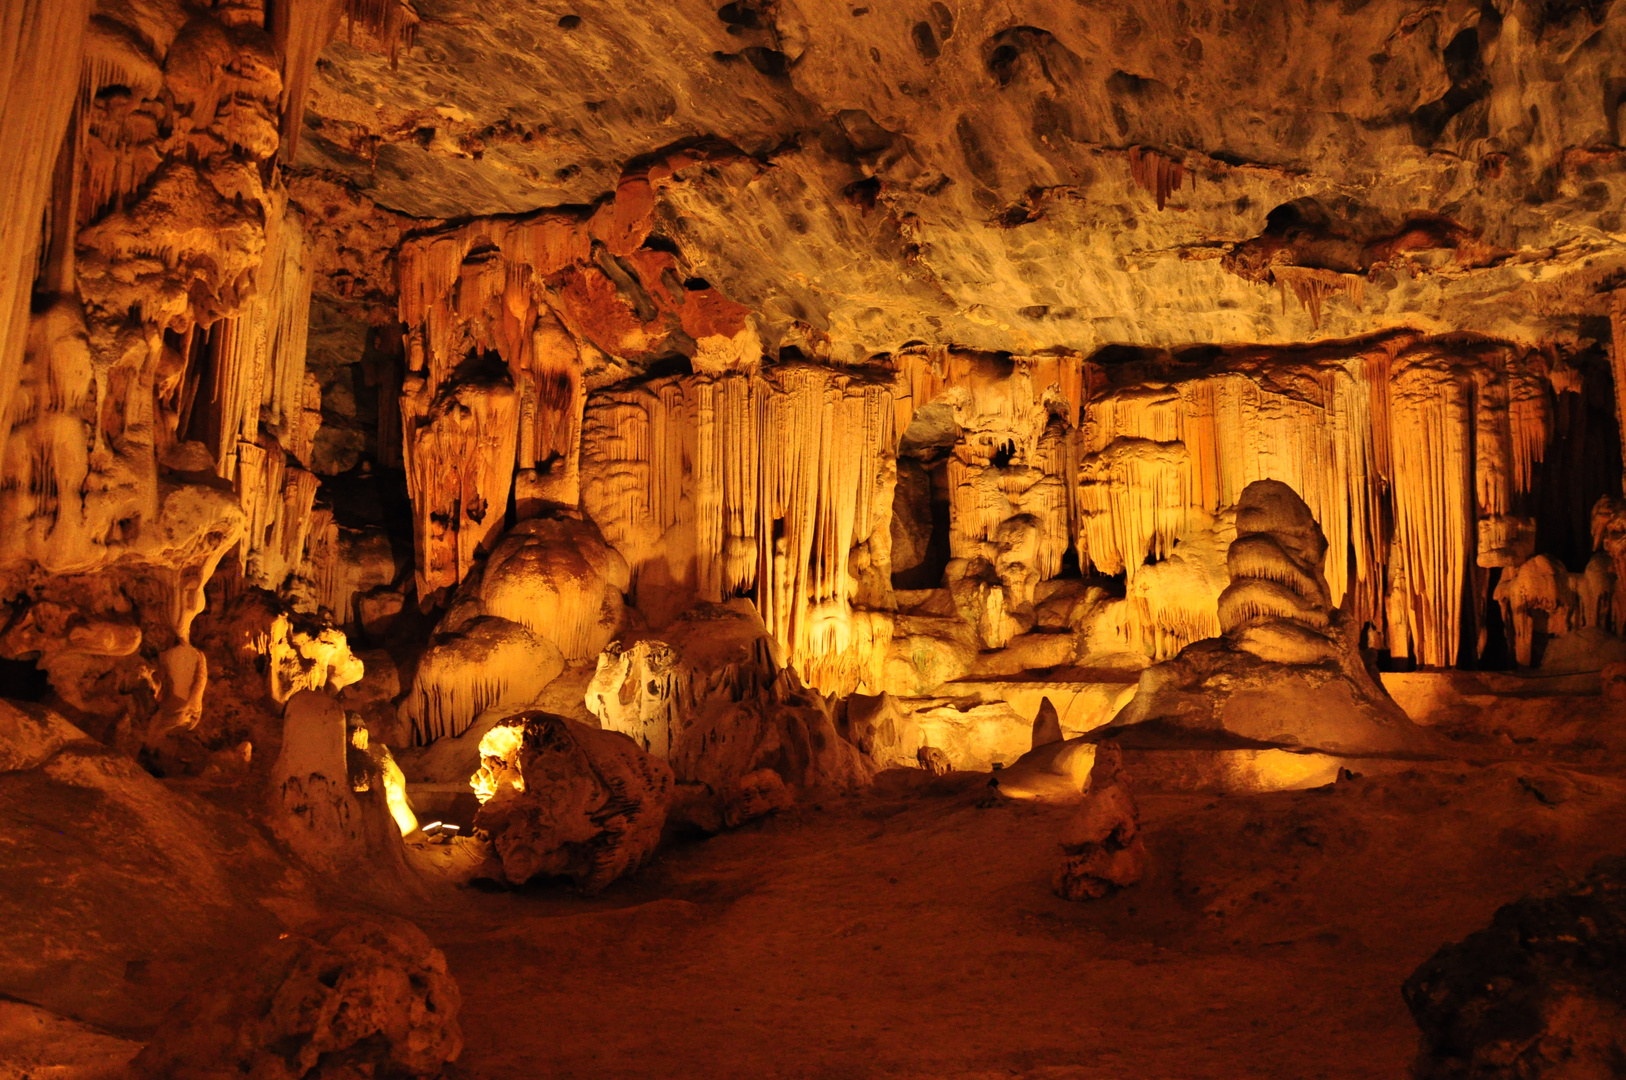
[346, 998]
[1032, 176]
[1287, 671]
[561, 799]
[1537, 994]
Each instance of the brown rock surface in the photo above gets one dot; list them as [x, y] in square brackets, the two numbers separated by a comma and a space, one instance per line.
[1102, 841]
[344, 998]
[560, 799]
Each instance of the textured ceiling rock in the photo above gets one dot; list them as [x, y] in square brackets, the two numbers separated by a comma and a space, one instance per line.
[991, 174]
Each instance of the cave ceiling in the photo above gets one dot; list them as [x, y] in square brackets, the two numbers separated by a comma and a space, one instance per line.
[989, 174]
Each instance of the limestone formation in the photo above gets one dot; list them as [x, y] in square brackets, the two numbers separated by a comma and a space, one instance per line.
[558, 579]
[957, 386]
[1287, 671]
[1057, 769]
[341, 998]
[709, 697]
[1538, 599]
[333, 802]
[486, 664]
[934, 761]
[561, 799]
[1101, 843]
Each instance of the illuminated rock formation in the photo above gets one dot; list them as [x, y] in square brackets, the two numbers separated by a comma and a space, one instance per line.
[560, 799]
[557, 578]
[1101, 842]
[478, 665]
[708, 697]
[1609, 538]
[330, 797]
[776, 485]
[1538, 598]
[1057, 769]
[1287, 671]
[1366, 436]
[360, 997]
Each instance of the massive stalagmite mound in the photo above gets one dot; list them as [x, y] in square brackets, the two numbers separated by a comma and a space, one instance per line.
[1287, 672]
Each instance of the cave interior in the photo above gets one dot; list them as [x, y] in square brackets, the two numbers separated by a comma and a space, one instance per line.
[803, 538]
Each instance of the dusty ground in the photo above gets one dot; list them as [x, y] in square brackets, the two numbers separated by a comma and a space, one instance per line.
[912, 933]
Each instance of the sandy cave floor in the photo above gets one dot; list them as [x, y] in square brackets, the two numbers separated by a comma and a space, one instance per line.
[910, 932]
[907, 932]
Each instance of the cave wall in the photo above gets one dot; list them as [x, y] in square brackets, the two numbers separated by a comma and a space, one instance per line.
[277, 273]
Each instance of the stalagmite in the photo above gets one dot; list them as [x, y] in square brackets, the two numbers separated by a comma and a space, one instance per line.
[708, 696]
[1444, 445]
[1102, 841]
[1287, 671]
[1537, 598]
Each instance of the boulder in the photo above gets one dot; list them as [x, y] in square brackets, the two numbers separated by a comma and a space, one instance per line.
[1539, 994]
[341, 999]
[561, 799]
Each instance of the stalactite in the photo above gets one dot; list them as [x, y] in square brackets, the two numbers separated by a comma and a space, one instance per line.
[459, 451]
[552, 396]
[40, 46]
[259, 355]
[759, 484]
[393, 23]
[1312, 285]
[1436, 441]
[1156, 174]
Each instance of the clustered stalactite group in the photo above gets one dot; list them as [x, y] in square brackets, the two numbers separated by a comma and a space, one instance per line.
[154, 328]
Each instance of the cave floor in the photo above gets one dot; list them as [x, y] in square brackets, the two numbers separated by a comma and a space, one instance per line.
[911, 932]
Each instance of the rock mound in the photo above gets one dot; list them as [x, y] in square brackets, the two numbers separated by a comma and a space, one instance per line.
[1287, 670]
[561, 799]
[341, 999]
[1539, 993]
